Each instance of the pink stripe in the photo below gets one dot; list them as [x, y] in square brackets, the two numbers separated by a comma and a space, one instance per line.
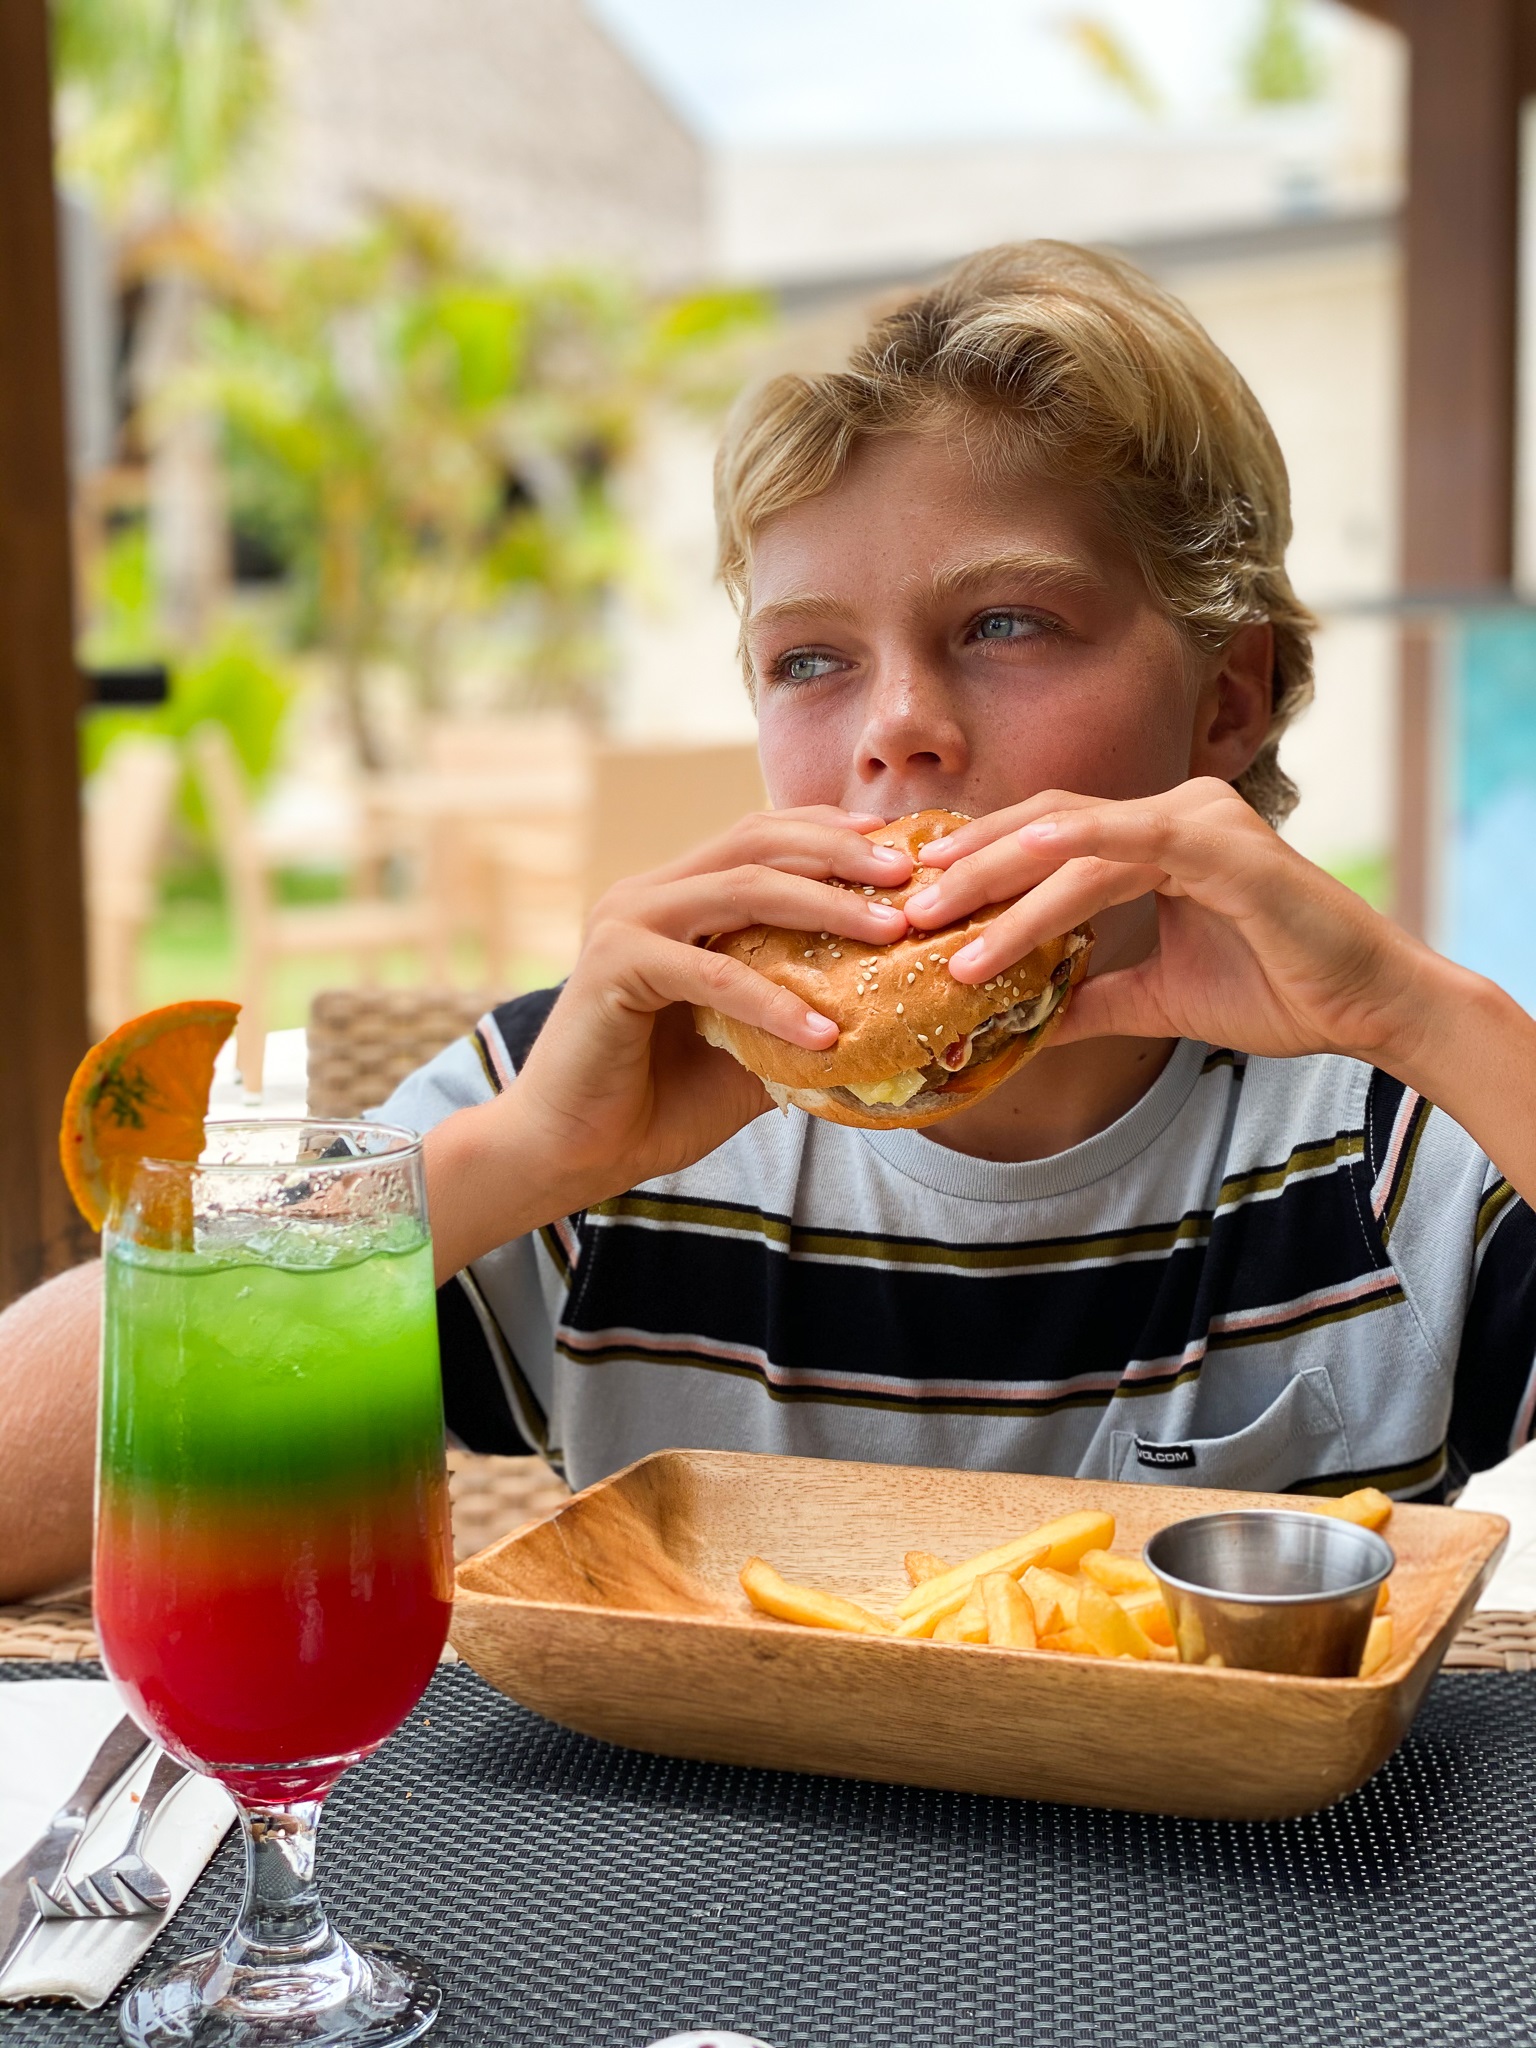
[644, 1342]
[1305, 1304]
[491, 1039]
[1394, 1153]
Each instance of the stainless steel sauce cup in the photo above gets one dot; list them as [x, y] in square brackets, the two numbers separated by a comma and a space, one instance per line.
[1271, 1590]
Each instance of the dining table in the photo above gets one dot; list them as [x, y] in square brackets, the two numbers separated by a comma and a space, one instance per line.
[579, 1895]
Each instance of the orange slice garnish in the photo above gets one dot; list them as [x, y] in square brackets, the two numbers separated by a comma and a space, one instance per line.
[141, 1094]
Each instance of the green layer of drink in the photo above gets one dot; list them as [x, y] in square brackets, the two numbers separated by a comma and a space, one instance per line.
[240, 1375]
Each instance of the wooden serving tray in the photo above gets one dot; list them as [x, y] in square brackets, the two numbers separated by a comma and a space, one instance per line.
[620, 1615]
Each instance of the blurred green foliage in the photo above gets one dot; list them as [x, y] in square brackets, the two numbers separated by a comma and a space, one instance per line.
[236, 680]
[419, 440]
[160, 99]
[1280, 65]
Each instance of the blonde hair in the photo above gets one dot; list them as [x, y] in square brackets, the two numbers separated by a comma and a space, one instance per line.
[1073, 366]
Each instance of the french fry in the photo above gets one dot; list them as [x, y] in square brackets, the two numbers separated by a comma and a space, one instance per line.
[1383, 1596]
[1367, 1505]
[1053, 1596]
[1076, 1641]
[805, 1604]
[971, 1621]
[1063, 1542]
[1150, 1614]
[922, 1565]
[1378, 1646]
[946, 1595]
[948, 1629]
[1107, 1625]
[1117, 1574]
[1010, 1614]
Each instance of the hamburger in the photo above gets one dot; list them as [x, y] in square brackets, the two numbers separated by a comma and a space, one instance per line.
[914, 1044]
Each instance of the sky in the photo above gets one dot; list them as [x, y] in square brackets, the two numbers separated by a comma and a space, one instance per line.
[784, 73]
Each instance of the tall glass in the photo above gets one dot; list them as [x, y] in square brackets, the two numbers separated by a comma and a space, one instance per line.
[273, 1565]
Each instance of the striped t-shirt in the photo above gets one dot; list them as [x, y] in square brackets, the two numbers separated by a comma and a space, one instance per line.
[1268, 1273]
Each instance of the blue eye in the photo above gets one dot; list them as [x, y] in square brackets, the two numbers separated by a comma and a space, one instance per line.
[805, 668]
[1006, 626]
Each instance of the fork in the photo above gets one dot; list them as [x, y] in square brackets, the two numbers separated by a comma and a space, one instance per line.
[127, 1886]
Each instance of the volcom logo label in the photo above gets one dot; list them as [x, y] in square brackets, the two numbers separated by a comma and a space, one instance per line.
[1164, 1454]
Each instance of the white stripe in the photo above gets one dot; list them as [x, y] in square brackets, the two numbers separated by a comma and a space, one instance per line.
[1521, 1433]
[1305, 1304]
[496, 1046]
[643, 1342]
[1395, 1145]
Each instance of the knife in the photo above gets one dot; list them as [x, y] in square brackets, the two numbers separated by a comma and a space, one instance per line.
[48, 1855]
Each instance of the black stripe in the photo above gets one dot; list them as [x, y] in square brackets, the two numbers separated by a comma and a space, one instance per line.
[1498, 1343]
[474, 1402]
[1418, 1117]
[526, 1408]
[521, 1020]
[1383, 1099]
[1420, 1479]
[487, 1064]
[919, 1323]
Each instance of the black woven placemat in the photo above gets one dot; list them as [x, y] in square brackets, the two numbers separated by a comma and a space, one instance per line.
[579, 1896]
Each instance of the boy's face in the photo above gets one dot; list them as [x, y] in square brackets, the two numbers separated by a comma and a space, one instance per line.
[921, 637]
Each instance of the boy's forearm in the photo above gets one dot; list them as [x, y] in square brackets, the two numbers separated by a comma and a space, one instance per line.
[50, 1342]
[489, 1180]
[1472, 1052]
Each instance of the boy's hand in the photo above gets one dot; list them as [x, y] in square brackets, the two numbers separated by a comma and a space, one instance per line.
[1257, 948]
[619, 1086]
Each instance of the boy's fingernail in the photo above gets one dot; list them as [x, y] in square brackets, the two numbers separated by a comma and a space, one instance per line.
[819, 1024]
[924, 900]
[967, 957]
[1033, 834]
[890, 857]
[887, 913]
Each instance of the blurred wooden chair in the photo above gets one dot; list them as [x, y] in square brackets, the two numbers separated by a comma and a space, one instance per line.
[474, 776]
[362, 1042]
[127, 812]
[365, 927]
[648, 805]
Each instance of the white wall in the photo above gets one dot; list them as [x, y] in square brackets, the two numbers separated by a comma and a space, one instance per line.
[1316, 337]
[679, 678]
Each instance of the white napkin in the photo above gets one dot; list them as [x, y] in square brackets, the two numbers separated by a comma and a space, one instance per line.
[50, 1728]
[1509, 1489]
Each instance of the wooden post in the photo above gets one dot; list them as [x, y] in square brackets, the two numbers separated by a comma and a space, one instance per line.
[42, 949]
[1460, 249]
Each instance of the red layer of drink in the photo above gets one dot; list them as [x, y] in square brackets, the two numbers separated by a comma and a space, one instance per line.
[253, 1639]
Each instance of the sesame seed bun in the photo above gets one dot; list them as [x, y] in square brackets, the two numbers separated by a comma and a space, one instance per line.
[897, 1008]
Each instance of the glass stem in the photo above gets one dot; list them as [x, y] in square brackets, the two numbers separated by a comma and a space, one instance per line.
[281, 1918]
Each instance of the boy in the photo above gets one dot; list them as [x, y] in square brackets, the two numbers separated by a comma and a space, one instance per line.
[1024, 559]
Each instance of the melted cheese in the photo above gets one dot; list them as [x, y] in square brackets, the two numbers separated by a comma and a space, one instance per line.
[898, 1090]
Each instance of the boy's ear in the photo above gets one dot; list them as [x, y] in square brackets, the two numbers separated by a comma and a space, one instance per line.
[1233, 709]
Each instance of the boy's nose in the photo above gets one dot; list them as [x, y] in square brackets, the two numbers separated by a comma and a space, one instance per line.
[910, 727]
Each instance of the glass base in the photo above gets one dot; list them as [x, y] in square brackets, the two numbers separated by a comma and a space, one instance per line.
[363, 1997]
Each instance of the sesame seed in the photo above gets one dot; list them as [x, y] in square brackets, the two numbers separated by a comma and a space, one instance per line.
[835, 954]
[869, 888]
[921, 965]
[922, 1038]
[809, 954]
[935, 956]
[901, 1009]
[910, 979]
